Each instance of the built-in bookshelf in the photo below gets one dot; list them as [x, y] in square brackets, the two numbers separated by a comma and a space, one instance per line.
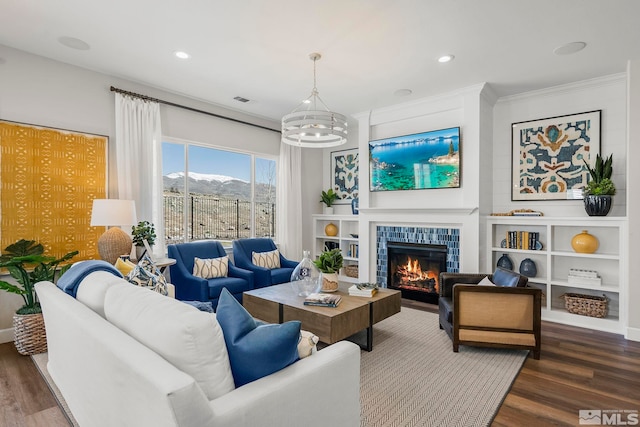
[558, 265]
[346, 239]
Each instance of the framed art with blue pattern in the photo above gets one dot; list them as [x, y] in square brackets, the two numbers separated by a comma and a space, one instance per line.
[344, 175]
[549, 155]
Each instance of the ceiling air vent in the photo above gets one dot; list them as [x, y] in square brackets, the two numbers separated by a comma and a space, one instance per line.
[241, 99]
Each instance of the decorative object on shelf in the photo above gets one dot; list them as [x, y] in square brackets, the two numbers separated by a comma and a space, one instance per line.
[331, 229]
[519, 212]
[505, 262]
[328, 198]
[28, 322]
[354, 235]
[329, 263]
[144, 231]
[344, 173]
[539, 146]
[351, 270]
[583, 277]
[600, 189]
[584, 243]
[528, 268]
[354, 206]
[313, 127]
[113, 213]
[304, 278]
[586, 305]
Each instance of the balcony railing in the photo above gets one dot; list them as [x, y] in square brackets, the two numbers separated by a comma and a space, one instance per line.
[211, 217]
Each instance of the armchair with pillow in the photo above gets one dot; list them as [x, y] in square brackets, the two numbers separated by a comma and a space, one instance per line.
[490, 310]
[203, 269]
[261, 256]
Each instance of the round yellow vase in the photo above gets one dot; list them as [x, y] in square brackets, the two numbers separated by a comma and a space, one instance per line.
[584, 243]
[331, 229]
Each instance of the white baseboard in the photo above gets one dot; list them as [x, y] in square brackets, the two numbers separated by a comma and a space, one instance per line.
[6, 335]
[633, 334]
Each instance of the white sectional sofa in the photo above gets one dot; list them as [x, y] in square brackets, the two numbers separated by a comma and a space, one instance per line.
[126, 356]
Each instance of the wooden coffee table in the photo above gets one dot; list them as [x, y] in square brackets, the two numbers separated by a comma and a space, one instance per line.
[281, 303]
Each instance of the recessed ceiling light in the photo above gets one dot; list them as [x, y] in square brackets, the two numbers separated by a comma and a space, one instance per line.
[569, 48]
[403, 92]
[74, 43]
[446, 58]
[181, 55]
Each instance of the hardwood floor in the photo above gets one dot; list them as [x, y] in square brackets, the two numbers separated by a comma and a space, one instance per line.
[578, 369]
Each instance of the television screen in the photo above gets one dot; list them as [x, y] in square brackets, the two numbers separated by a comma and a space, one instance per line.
[417, 161]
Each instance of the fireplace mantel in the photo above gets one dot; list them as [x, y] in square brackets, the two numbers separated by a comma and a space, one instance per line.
[459, 211]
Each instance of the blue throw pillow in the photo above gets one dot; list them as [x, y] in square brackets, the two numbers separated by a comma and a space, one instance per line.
[201, 305]
[255, 349]
[506, 278]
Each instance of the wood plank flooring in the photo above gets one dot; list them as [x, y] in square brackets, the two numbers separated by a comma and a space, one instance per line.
[578, 369]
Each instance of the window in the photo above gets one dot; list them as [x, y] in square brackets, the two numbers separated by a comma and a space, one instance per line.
[223, 195]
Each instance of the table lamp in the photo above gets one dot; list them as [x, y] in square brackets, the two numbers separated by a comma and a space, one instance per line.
[112, 213]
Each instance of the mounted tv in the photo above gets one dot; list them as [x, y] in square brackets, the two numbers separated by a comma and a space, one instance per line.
[415, 162]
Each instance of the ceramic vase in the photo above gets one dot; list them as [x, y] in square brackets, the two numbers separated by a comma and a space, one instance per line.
[528, 268]
[331, 229]
[329, 282]
[505, 262]
[584, 243]
[328, 210]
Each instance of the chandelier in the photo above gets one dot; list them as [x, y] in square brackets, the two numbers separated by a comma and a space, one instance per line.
[310, 126]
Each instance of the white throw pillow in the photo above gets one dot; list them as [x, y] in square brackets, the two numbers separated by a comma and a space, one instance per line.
[307, 344]
[268, 260]
[486, 282]
[210, 268]
[189, 339]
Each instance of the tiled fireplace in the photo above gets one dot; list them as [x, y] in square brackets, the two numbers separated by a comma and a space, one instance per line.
[411, 258]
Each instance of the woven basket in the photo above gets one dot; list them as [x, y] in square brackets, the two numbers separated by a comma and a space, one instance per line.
[586, 305]
[30, 335]
[351, 271]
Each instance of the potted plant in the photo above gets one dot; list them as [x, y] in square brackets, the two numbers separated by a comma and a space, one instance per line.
[145, 230]
[329, 263]
[27, 265]
[328, 197]
[600, 189]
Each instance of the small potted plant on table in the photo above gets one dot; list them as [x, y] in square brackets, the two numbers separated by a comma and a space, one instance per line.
[329, 263]
[600, 189]
[145, 230]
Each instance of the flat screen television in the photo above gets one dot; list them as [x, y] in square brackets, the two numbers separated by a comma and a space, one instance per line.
[415, 162]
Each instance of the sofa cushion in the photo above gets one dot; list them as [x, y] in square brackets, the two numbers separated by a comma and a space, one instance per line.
[211, 268]
[506, 278]
[268, 260]
[255, 349]
[189, 339]
[93, 289]
[147, 275]
[486, 282]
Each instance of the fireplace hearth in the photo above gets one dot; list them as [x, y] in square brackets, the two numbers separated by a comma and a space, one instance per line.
[414, 269]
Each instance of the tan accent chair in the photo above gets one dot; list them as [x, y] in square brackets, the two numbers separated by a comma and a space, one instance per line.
[490, 316]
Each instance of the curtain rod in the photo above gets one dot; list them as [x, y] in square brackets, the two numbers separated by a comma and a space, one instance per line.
[195, 110]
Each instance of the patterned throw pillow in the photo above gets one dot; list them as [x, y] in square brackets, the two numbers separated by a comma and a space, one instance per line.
[210, 268]
[268, 260]
[147, 275]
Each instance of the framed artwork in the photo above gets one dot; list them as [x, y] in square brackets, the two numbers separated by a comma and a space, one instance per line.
[548, 154]
[414, 162]
[344, 173]
[48, 180]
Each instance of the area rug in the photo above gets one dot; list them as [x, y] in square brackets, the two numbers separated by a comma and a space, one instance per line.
[413, 378]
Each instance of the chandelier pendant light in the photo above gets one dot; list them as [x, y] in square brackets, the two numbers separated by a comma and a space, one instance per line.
[312, 124]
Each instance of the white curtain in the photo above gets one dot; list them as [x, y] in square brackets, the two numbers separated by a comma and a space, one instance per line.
[289, 205]
[138, 154]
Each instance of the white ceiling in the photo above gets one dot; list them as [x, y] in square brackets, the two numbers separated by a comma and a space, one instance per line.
[258, 49]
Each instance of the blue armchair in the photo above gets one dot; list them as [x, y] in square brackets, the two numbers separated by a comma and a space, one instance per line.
[191, 288]
[242, 256]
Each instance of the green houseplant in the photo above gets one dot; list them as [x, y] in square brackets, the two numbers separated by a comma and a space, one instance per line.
[145, 230]
[27, 264]
[328, 198]
[329, 263]
[600, 188]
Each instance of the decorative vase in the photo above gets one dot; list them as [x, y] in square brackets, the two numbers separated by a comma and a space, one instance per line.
[584, 243]
[505, 262]
[597, 205]
[304, 278]
[328, 210]
[30, 334]
[331, 229]
[528, 268]
[329, 282]
[354, 206]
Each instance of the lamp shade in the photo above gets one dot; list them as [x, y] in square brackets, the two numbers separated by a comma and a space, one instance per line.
[111, 212]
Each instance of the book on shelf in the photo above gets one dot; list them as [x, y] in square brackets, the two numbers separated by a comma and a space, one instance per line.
[584, 277]
[577, 272]
[362, 291]
[527, 240]
[323, 300]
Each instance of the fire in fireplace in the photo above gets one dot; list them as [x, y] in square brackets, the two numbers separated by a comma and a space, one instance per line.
[414, 269]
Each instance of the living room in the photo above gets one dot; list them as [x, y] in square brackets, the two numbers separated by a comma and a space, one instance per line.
[35, 89]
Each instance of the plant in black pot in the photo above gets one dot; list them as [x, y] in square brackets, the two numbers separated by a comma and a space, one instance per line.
[600, 188]
[27, 265]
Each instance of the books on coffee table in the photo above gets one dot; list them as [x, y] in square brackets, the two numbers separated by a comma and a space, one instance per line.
[363, 290]
[323, 300]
